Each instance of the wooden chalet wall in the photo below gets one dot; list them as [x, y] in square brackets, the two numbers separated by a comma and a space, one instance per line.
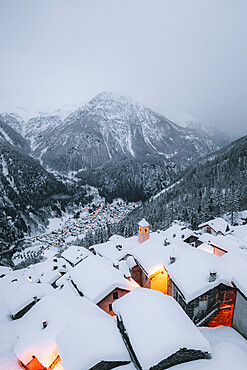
[34, 364]
[140, 277]
[201, 306]
[219, 252]
[159, 281]
[106, 302]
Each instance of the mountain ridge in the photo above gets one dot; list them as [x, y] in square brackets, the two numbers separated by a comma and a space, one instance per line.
[117, 127]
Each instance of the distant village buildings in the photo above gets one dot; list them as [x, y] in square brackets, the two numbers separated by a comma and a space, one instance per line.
[217, 226]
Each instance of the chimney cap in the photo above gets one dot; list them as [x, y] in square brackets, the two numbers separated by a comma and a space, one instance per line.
[143, 223]
[213, 271]
[212, 274]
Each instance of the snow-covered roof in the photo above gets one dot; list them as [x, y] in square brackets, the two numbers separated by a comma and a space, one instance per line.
[206, 248]
[58, 311]
[229, 351]
[50, 276]
[152, 253]
[229, 243]
[232, 262]
[240, 280]
[44, 271]
[178, 231]
[75, 254]
[240, 232]
[143, 223]
[66, 289]
[5, 270]
[191, 269]
[124, 268]
[116, 248]
[24, 294]
[217, 224]
[130, 262]
[206, 238]
[89, 341]
[10, 282]
[95, 277]
[149, 318]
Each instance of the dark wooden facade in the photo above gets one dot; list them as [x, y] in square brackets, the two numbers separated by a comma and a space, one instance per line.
[219, 298]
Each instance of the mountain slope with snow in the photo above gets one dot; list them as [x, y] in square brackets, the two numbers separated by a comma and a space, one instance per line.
[14, 121]
[39, 127]
[187, 120]
[112, 128]
[10, 136]
[213, 186]
[25, 189]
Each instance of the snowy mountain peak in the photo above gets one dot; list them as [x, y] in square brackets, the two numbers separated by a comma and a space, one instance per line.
[107, 96]
[112, 128]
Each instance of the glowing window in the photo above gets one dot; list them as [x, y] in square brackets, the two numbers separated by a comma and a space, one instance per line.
[145, 230]
[140, 229]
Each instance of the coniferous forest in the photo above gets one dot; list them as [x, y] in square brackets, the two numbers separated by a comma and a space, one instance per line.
[211, 187]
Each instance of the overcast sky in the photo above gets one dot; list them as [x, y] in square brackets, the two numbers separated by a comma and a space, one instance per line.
[176, 56]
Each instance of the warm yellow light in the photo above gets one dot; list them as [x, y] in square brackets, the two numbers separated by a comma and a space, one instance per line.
[156, 270]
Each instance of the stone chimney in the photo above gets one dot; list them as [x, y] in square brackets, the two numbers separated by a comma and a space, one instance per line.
[212, 275]
[172, 257]
[143, 231]
[166, 242]
[44, 324]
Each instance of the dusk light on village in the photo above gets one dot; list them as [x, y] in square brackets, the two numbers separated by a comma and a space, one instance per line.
[123, 185]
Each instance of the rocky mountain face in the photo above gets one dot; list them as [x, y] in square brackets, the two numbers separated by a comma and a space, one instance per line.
[213, 186]
[112, 128]
[40, 127]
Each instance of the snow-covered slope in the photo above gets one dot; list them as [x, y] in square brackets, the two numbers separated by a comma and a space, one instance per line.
[10, 136]
[14, 121]
[211, 187]
[25, 188]
[112, 128]
[187, 120]
[37, 128]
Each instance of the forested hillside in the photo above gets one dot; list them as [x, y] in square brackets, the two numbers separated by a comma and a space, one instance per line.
[25, 187]
[213, 186]
[132, 180]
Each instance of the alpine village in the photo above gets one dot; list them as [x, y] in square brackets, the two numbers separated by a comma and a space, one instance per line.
[123, 225]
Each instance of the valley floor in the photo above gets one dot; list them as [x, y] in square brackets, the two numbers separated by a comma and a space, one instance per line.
[70, 229]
